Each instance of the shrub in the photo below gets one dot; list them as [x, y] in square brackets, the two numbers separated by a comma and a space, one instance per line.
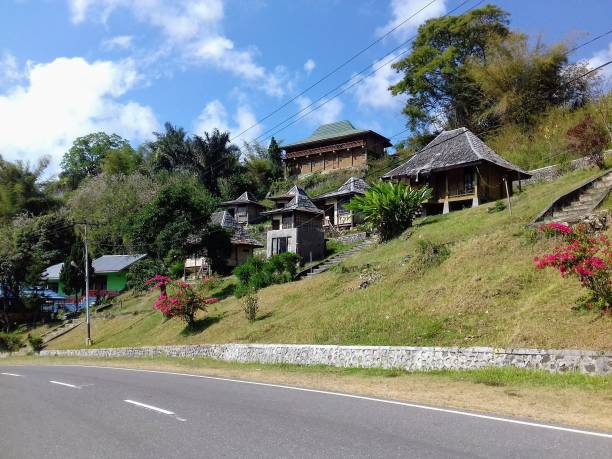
[390, 207]
[141, 271]
[36, 342]
[589, 138]
[250, 305]
[9, 342]
[256, 273]
[178, 299]
[585, 256]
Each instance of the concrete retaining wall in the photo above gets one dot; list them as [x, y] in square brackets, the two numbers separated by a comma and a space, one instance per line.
[408, 358]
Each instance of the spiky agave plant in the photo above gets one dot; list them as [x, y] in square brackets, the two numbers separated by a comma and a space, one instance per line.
[390, 207]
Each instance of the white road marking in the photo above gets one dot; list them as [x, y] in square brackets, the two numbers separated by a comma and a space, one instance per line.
[150, 407]
[64, 384]
[10, 374]
[361, 397]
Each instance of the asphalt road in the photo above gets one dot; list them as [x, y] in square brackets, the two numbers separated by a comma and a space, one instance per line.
[74, 412]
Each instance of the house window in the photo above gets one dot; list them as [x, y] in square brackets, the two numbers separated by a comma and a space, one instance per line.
[469, 181]
[287, 221]
[241, 212]
[279, 245]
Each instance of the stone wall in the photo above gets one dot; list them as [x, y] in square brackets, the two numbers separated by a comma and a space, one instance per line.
[351, 237]
[404, 357]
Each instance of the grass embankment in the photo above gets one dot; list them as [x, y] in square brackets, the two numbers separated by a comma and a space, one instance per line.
[486, 293]
[567, 398]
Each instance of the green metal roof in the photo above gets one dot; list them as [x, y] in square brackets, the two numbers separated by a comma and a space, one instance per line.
[330, 131]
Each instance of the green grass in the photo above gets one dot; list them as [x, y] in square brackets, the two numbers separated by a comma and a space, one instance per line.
[485, 293]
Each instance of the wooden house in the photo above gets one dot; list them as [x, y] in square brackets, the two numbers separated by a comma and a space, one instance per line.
[333, 204]
[243, 243]
[462, 171]
[334, 146]
[297, 227]
[245, 208]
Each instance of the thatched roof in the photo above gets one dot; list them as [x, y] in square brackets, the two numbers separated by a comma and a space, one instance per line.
[451, 149]
[293, 191]
[352, 186]
[299, 203]
[239, 235]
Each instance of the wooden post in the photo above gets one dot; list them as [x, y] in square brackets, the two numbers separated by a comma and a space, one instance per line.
[446, 207]
[508, 195]
[475, 201]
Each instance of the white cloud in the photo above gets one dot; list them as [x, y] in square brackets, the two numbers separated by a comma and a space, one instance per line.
[327, 113]
[309, 65]
[215, 116]
[9, 70]
[118, 42]
[68, 98]
[403, 9]
[601, 57]
[373, 91]
[192, 27]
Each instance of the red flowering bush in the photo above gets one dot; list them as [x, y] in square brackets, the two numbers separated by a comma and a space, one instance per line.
[178, 298]
[585, 256]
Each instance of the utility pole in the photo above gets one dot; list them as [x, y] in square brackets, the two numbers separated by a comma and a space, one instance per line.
[87, 318]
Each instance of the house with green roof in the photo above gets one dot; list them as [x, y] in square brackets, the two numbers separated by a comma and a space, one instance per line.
[334, 146]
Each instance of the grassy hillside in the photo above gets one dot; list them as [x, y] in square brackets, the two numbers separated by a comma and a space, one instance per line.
[485, 293]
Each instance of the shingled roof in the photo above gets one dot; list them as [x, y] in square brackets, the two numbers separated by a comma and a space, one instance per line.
[300, 202]
[353, 185]
[451, 149]
[293, 191]
[336, 130]
[244, 198]
[239, 235]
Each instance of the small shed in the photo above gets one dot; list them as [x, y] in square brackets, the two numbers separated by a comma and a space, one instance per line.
[333, 204]
[243, 243]
[244, 209]
[462, 171]
[282, 200]
[297, 227]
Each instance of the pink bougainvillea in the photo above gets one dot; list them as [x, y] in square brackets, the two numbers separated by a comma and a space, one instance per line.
[178, 298]
[585, 256]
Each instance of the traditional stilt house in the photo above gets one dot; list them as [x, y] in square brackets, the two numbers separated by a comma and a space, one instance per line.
[334, 146]
[245, 208]
[297, 227]
[333, 204]
[462, 171]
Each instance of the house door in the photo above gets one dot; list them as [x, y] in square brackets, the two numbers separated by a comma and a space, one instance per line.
[280, 245]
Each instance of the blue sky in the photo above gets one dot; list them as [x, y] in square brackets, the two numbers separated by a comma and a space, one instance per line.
[69, 67]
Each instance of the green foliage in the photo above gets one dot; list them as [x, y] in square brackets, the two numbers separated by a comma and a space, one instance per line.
[275, 156]
[434, 76]
[590, 138]
[256, 273]
[9, 342]
[87, 154]
[430, 254]
[389, 207]
[250, 306]
[73, 270]
[143, 270]
[123, 160]
[518, 83]
[36, 342]
[21, 190]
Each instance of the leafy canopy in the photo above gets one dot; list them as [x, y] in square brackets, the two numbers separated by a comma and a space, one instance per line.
[389, 207]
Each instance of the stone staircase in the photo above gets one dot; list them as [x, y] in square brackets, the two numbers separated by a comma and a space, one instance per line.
[339, 257]
[61, 330]
[578, 203]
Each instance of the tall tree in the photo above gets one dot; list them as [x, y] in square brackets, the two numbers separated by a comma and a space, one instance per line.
[169, 150]
[275, 156]
[86, 155]
[434, 78]
[122, 160]
[21, 189]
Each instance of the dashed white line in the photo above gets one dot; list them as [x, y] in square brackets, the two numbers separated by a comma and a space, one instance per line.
[150, 407]
[64, 384]
[11, 374]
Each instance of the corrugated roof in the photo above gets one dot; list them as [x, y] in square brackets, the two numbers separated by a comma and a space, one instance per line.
[244, 198]
[115, 263]
[354, 185]
[329, 131]
[52, 272]
[239, 235]
[448, 149]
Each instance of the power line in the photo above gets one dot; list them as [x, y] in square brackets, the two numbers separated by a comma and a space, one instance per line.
[336, 69]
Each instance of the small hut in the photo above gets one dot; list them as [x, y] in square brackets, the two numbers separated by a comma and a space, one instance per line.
[245, 208]
[282, 200]
[333, 204]
[462, 171]
[297, 227]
